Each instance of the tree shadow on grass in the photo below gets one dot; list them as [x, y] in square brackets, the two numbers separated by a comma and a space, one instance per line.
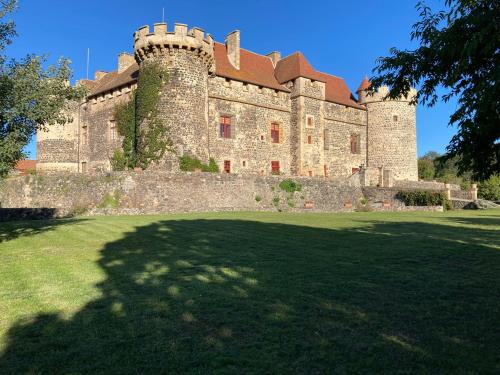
[493, 221]
[227, 296]
[11, 230]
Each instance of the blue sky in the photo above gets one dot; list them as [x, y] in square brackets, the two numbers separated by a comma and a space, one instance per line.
[343, 38]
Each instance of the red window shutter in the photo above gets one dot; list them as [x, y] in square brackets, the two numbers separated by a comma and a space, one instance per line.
[355, 170]
[227, 166]
[275, 167]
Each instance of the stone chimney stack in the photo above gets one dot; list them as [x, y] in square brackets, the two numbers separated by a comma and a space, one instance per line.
[125, 60]
[233, 48]
[275, 56]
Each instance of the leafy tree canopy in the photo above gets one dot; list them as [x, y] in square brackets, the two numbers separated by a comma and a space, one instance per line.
[31, 97]
[460, 52]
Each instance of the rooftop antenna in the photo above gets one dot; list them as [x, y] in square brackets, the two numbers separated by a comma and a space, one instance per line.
[163, 15]
[88, 62]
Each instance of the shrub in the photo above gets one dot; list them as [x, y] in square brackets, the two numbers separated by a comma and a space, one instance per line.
[258, 198]
[119, 161]
[276, 201]
[490, 189]
[423, 198]
[190, 164]
[290, 186]
[110, 201]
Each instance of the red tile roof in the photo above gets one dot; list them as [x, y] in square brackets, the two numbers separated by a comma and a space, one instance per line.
[295, 66]
[254, 68]
[364, 84]
[336, 91]
[25, 166]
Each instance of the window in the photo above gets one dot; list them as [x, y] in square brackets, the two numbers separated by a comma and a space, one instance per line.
[275, 132]
[355, 170]
[84, 167]
[310, 173]
[275, 167]
[355, 146]
[225, 127]
[227, 166]
[395, 118]
[309, 139]
[113, 136]
[309, 121]
[244, 163]
[326, 139]
[262, 137]
[84, 134]
[325, 170]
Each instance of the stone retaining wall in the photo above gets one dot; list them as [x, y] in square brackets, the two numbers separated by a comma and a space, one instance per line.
[161, 192]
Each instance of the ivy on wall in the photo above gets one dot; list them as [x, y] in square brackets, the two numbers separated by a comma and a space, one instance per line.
[145, 135]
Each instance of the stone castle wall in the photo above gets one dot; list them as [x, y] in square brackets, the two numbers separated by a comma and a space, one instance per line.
[194, 98]
[162, 192]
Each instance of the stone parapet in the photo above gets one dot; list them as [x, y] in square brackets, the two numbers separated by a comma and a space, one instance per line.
[159, 42]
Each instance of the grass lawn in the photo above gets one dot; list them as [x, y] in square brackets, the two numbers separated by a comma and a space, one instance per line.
[252, 293]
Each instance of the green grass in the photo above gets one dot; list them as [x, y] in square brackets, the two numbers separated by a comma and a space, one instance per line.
[252, 293]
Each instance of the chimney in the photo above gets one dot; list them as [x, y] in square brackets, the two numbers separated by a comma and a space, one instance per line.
[275, 56]
[233, 48]
[125, 60]
[99, 74]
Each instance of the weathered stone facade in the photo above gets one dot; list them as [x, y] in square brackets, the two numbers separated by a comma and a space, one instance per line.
[323, 129]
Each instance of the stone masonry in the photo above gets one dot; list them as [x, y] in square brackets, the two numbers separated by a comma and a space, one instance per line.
[283, 116]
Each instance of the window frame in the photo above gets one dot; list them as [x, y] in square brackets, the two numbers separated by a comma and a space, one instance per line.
[225, 127]
[310, 117]
[355, 143]
[275, 163]
[228, 164]
[275, 139]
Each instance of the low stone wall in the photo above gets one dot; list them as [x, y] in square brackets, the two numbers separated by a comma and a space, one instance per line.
[161, 192]
[10, 214]
[425, 185]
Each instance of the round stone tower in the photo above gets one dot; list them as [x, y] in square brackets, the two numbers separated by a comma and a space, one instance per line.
[391, 132]
[188, 57]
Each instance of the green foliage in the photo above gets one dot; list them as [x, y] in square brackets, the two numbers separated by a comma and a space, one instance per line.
[290, 201]
[190, 164]
[426, 169]
[290, 186]
[32, 96]
[423, 198]
[490, 189]
[458, 51]
[258, 198]
[145, 135]
[119, 161]
[276, 201]
[110, 200]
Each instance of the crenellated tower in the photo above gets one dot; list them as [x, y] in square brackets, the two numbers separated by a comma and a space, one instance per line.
[391, 132]
[188, 57]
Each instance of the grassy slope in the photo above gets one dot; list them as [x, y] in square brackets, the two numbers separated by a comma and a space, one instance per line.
[259, 292]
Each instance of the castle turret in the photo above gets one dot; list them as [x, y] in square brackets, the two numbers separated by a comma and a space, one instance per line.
[188, 57]
[391, 132]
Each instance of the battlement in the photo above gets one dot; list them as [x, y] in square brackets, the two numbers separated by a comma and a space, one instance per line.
[381, 94]
[149, 44]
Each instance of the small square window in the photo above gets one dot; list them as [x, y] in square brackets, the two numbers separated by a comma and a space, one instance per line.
[309, 139]
[395, 118]
[262, 137]
[310, 173]
[227, 166]
[244, 163]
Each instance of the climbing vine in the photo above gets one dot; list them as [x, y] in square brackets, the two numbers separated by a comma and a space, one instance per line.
[145, 135]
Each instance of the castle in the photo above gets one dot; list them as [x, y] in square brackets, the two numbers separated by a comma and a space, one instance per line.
[251, 113]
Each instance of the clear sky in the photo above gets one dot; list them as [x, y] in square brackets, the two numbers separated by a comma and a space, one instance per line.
[343, 38]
